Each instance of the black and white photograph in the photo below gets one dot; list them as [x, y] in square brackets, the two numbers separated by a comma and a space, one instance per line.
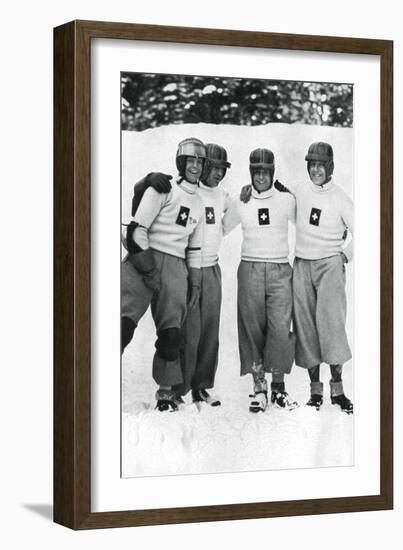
[166, 429]
[237, 274]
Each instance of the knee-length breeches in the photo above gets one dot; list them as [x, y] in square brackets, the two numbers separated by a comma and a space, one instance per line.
[320, 309]
[168, 306]
[264, 316]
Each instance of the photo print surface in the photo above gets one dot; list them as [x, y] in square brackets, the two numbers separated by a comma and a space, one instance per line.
[237, 274]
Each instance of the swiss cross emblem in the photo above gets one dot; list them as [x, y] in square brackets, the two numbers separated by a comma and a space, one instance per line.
[315, 216]
[210, 216]
[183, 216]
[263, 216]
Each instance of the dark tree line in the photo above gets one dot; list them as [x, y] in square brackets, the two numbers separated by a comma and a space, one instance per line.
[151, 100]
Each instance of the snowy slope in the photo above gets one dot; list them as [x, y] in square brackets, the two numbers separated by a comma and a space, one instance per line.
[229, 438]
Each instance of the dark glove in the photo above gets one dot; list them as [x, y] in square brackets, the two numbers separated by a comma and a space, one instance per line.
[280, 187]
[246, 193]
[123, 240]
[194, 279]
[138, 192]
[144, 263]
[140, 187]
[159, 181]
[130, 245]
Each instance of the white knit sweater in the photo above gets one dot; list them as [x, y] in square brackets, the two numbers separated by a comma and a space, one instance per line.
[172, 222]
[215, 201]
[264, 221]
[323, 215]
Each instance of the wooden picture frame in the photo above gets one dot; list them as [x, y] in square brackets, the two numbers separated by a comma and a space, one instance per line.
[72, 274]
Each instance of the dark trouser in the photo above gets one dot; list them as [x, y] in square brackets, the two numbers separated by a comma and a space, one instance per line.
[264, 316]
[199, 356]
[168, 308]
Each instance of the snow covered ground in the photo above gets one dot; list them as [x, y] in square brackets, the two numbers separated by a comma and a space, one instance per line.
[229, 438]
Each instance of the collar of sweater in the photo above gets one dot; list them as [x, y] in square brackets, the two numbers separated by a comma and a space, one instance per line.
[207, 188]
[190, 188]
[264, 194]
[322, 188]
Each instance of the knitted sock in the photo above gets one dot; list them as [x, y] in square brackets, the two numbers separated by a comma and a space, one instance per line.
[277, 377]
[336, 388]
[278, 387]
[314, 373]
[128, 327]
[336, 372]
[316, 388]
[259, 379]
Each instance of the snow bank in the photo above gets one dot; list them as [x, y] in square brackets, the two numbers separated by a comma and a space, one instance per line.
[229, 438]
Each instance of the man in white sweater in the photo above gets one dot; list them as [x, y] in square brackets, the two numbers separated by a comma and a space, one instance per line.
[266, 343]
[199, 357]
[324, 212]
[199, 354]
[164, 251]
